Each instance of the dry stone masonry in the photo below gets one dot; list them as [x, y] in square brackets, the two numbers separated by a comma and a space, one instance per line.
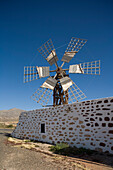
[86, 124]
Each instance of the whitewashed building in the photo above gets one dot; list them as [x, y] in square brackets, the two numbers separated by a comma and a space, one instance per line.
[86, 124]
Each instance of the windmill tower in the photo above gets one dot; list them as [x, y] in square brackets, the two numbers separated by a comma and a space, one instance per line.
[63, 88]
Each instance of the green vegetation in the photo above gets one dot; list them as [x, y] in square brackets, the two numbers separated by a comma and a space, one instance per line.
[65, 149]
[4, 126]
[26, 141]
[58, 148]
[9, 126]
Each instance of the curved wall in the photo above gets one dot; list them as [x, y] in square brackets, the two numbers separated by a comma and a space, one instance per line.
[86, 124]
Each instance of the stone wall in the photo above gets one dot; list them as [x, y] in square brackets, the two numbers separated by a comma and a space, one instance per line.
[86, 124]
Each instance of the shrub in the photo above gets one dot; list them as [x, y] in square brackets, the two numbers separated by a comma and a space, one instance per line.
[65, 149]
[58, 148]
[27, 141]
[9, 126]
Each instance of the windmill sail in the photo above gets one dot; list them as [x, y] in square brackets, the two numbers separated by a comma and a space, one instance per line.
[43, 71]
[75, 69]
[48, 52]
[75, 94]
[52, 58]
[34, 72]
[42, 96]
[73, 47]
[49, 83]
[66, 82]
[68, 56]
[86, 68]
[30, 73]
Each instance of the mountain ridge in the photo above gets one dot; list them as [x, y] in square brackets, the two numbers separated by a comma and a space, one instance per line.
[10, 115]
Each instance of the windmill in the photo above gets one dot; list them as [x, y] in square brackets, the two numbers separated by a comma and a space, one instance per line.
[63, 88]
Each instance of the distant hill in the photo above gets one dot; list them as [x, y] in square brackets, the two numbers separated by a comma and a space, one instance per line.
[10, 115]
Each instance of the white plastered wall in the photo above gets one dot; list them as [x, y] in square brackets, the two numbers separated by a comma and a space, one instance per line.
[86, 124]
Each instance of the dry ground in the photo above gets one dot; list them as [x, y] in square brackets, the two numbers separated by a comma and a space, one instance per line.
[17, 158]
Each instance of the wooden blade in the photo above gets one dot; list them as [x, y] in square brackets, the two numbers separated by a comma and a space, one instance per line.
[43, 71]
[75, 94]
[48, 52]
[30, 73]
[49, 83]
[86, 68]
[34, 72]
[66, 82]
[73, 47]
[42, 96]
[75, 69]
[91, 67]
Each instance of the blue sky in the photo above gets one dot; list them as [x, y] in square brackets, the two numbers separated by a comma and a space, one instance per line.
[26, 24]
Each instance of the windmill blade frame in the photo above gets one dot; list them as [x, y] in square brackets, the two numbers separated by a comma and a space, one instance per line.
[73, 47]
[75, 94]
[30, 73]
[66, 82]
[49, 83]
[43, 71]
[42, 96]
[92, 68]
[47, 50]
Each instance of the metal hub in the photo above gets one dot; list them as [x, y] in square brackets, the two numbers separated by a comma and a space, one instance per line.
[59, 70]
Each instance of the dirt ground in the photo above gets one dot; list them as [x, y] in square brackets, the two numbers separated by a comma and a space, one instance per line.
[17, 157]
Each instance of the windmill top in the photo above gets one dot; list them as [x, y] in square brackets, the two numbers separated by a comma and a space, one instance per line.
[63, 88]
